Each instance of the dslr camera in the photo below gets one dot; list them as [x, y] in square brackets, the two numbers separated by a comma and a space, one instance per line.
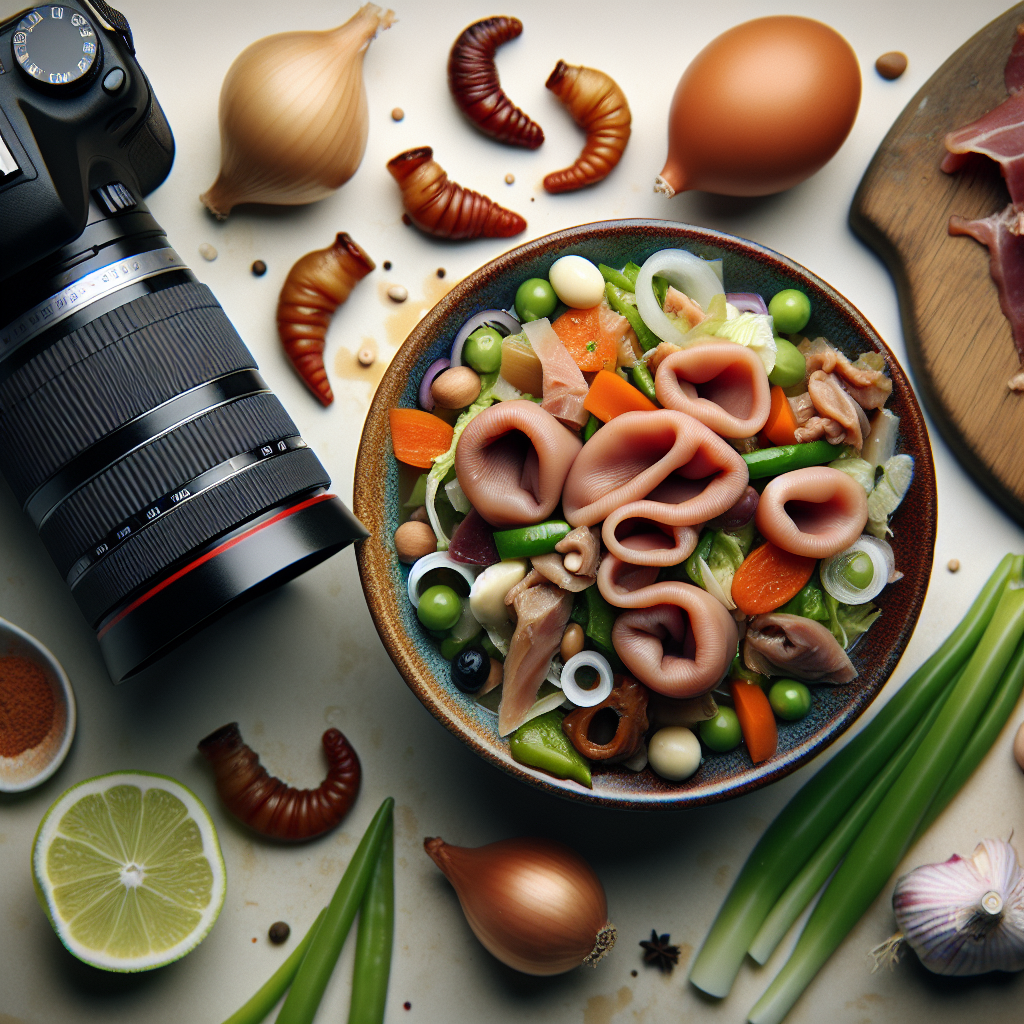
[164, 477]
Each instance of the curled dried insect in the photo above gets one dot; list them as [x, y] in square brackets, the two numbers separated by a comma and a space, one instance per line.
[473, 80]
[315, 287]
[599, 107]
[441, 208]
[629, 702]
[270, 806]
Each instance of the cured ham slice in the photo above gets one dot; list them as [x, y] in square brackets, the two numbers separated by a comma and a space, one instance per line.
[814, 512]
[542, 612]
[512, 460]
[660, 470]
[999, 135]
[565, 387]
[684, 307]
[722, 384]
[790, 645]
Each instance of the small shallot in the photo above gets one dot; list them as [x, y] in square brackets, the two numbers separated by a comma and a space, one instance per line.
[473, 80]
[534, 904]
[315, 287]
[268, 805]
[443, 209]
[599, 107]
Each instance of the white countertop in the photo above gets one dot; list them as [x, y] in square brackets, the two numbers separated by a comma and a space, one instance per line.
[307, 655]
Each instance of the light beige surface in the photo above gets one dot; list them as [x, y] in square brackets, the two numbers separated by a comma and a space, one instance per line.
[307, 656]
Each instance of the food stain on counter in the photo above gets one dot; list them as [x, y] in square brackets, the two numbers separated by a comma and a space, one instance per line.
[403, 318]
[601, 1009]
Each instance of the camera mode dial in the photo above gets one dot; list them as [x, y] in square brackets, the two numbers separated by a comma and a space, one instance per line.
[56, 47]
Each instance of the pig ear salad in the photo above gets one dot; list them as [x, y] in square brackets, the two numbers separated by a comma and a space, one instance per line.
[651, 497]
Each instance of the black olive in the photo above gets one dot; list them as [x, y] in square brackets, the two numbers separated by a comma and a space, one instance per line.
[470, 669]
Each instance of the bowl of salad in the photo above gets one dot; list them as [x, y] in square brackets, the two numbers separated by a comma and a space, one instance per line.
[652, 513]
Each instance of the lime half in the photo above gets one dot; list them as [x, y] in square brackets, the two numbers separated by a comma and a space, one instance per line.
[129, 870]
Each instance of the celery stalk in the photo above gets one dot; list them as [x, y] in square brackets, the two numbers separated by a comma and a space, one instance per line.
[811, 815]
[883, 841]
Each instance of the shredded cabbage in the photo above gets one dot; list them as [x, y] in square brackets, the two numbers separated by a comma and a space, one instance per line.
[860, 469]
[753, 331]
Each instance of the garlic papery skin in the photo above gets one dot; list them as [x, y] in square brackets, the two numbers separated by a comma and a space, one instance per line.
[293, 115]
[965, 916]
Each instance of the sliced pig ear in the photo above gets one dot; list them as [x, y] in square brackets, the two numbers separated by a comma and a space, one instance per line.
[512, 461]
[662, 466]
[722, 384]
[790, 645]
[815, 512]
[625, 536]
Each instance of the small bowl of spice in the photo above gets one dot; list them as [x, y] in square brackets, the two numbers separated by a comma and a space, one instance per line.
[37, 711]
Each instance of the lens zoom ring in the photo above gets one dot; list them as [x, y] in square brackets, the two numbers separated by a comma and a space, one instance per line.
[194, 523]
[162, 466]
[108, 372]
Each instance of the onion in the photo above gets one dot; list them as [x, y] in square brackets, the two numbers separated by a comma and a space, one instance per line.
[883, 566]
[486, 318]
[437, 560]
[747, 302]
[712, 586]
[689, 273]
[534, 904]
[596, 694]
[426, 399]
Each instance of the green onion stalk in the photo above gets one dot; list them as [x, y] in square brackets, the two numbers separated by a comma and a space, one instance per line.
[885, 838]
[809, 818]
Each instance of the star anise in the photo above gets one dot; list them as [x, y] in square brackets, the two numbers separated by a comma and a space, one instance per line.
[660, 952]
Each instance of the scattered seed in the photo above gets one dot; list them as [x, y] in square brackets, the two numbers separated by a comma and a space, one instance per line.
[255, 939]
[510, 179]
[398, 293]
[407, 1006]
[632, 974]
[891, 65]
[367, 355]
[207, 251]
[259, 268]
[407, 220]
[953, 565]
[397, 114]
[532, 200]
[279, 932]
[387, 264]
[440, 271]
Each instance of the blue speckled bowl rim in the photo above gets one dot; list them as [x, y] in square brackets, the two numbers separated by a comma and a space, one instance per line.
[414, 653]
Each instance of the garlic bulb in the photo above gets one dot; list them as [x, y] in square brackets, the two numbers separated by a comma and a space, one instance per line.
[293, 115]
[965, 916]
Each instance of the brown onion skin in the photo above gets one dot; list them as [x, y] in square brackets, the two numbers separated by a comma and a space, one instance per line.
[762, 107]
[439, 207]
[535, 904]
[315, 287]
[473, 80]
[268, 805]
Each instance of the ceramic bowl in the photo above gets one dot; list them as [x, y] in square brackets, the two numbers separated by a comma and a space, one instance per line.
[748, 267]
[35, 765]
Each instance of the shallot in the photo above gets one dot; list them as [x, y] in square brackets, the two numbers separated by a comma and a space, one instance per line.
[534, 904]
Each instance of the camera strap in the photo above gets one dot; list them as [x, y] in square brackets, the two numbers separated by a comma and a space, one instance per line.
[116, 20]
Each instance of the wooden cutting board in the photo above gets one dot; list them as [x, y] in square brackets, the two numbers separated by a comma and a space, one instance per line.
[960, 346]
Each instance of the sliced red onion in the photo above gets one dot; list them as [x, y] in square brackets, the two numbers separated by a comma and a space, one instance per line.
[747, 302]
[426, 399]
[487, 317]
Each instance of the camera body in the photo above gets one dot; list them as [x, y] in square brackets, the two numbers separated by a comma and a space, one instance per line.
[166, 480]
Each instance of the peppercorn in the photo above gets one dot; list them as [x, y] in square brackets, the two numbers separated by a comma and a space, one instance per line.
[259, 268]
[279, 932]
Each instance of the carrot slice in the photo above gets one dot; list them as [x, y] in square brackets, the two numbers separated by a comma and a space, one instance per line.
[768, 578]
[417, 437]
[757, 722]
[780, 427]
[610, 396]
[591, 347]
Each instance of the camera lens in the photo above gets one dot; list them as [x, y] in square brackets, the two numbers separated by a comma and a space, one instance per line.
[166, 481]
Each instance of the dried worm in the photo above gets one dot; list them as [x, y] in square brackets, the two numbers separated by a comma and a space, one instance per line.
[270, 806]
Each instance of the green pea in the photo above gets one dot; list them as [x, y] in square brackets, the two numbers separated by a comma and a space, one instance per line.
[790, 365]
[482, 350]
[440, 607]
[789, 699]
[790, 309]
[858, 570]
[722, 732]
[535, 299]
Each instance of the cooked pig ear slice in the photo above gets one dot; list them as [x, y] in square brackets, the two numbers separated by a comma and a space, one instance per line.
[833, 402]
[573, 563]
[512, 460]
[790, 645]
[628, 535]
[815, 512]
[721, 384]
[869, 387]
[663, 467]
[618, 580]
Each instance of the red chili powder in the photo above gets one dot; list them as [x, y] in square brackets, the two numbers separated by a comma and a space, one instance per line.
[26, 706]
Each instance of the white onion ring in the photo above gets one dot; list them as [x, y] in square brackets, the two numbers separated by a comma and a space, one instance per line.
[486, 317]
[747, 302]
[883, 568]
[437, 560]
[689, 273]
[587, 698]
